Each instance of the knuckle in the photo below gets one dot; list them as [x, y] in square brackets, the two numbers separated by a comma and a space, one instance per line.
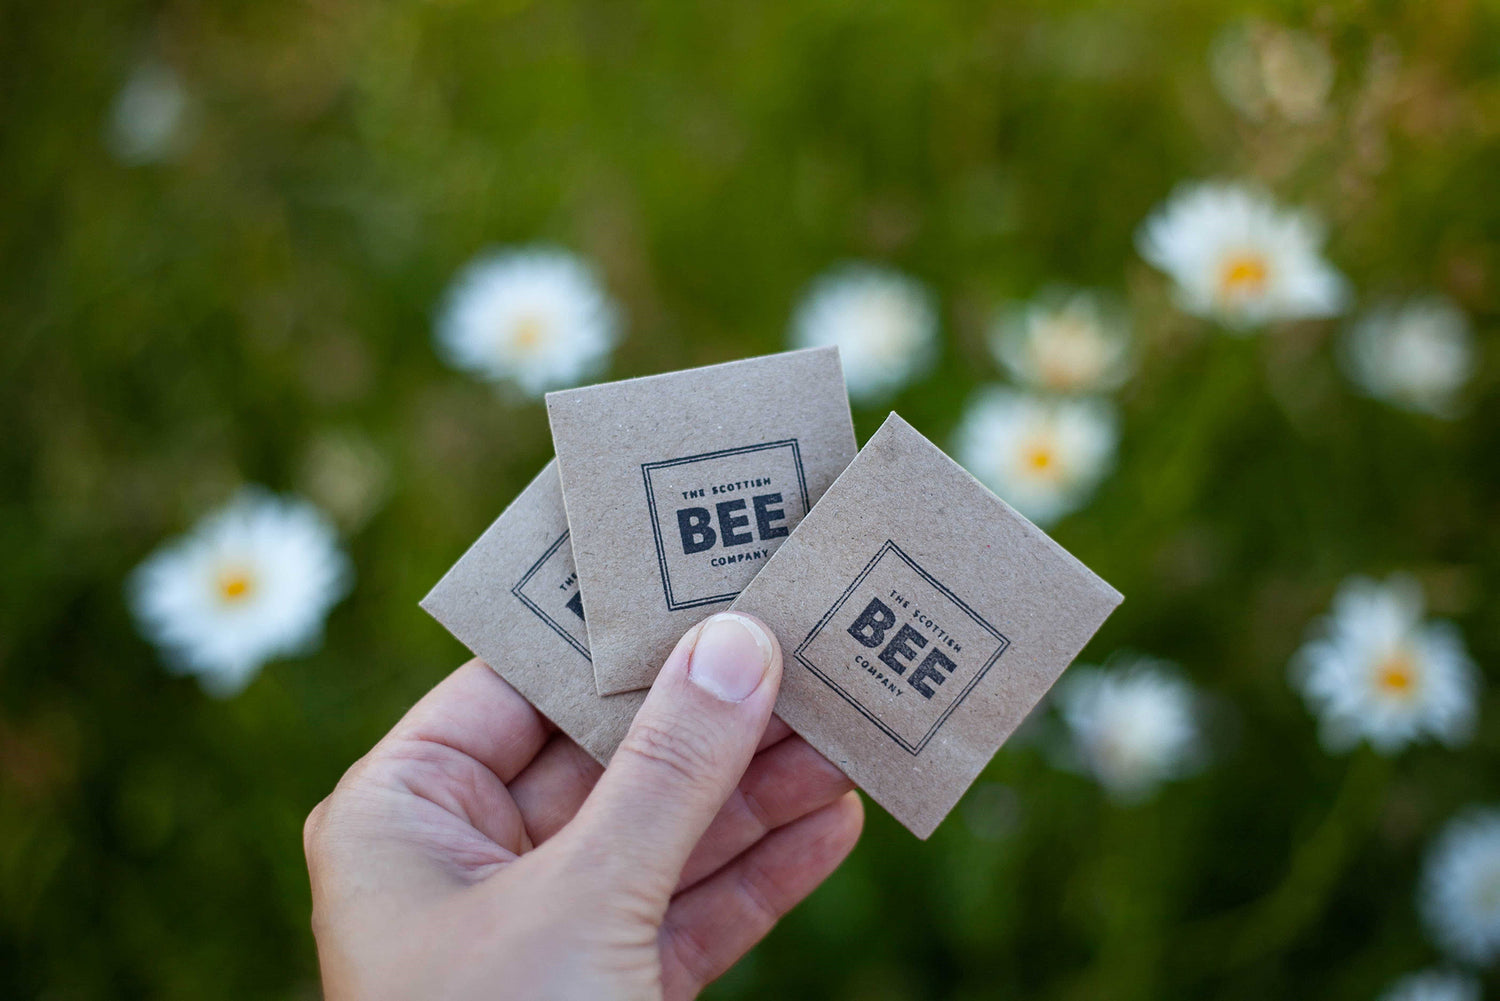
[762, 894]
[694, 955]
[312, 830]
[316, 827]
[760, 815]
[684, 751]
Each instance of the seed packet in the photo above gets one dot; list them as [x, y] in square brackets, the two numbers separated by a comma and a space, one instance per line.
[921, 619]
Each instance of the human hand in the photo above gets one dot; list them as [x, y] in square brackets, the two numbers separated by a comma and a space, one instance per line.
[477, 853]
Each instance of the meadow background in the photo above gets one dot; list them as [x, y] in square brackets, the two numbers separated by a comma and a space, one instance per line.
[258, 307]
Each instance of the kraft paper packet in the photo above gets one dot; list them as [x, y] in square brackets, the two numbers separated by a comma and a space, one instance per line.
[921, 619]
[679, 487]
[513, 600]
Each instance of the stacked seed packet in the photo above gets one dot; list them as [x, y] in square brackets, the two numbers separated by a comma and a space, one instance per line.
[920, 617]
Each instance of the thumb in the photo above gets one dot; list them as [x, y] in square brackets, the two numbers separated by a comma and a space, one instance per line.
[686, 751]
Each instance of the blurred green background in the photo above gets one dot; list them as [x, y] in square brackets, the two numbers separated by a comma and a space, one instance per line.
[264, 299]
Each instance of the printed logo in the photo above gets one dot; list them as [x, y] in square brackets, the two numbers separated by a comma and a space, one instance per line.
[901, 648]
[719, 516]
[550, 589]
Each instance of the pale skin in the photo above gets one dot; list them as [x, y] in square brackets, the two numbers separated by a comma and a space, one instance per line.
[476, 852]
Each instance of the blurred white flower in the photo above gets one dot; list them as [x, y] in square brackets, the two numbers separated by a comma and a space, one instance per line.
[1460, 890]
[883, 323]
[1376, 671]
[1133, 727]
[1237, 257]
[1261, 68]
[1416, 355]
[149, 119]
[250, 582]
[1064, 341]
[536, 317]
[1433, 985]
[1297, 72]
[1041, 456]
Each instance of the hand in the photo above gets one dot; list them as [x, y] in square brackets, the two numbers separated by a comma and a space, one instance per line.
[477, 853]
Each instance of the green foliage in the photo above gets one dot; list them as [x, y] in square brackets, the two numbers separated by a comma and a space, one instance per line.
[171, 330]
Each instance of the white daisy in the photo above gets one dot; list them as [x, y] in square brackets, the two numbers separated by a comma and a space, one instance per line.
[149, 119]
[1133, 727]
[1460, 891]
[883, 323]
[1433, 985]
[1042, 456]
[535, 317]
[1416, 355]
[1064, 342]
[1237, 257]
[251, 582]
[1376, 671]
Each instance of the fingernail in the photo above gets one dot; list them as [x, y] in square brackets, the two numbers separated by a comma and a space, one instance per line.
[730, 657]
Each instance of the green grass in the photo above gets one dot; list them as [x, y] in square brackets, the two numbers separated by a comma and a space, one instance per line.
[169, 331]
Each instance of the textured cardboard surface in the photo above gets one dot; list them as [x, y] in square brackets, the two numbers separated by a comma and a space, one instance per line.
[921, 619]
[679, 488]
[513, 600]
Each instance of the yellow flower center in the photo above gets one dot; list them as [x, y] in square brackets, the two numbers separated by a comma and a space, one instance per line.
[235, 585]
[1039, 458]
[1397, 674]
[1244, 275]
[528, 333]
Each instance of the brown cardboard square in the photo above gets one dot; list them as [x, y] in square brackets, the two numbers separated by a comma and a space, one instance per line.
[921, 619]
[513, 599]
[679, 487]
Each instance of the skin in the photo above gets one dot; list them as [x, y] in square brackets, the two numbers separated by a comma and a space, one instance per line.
[476, 852]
